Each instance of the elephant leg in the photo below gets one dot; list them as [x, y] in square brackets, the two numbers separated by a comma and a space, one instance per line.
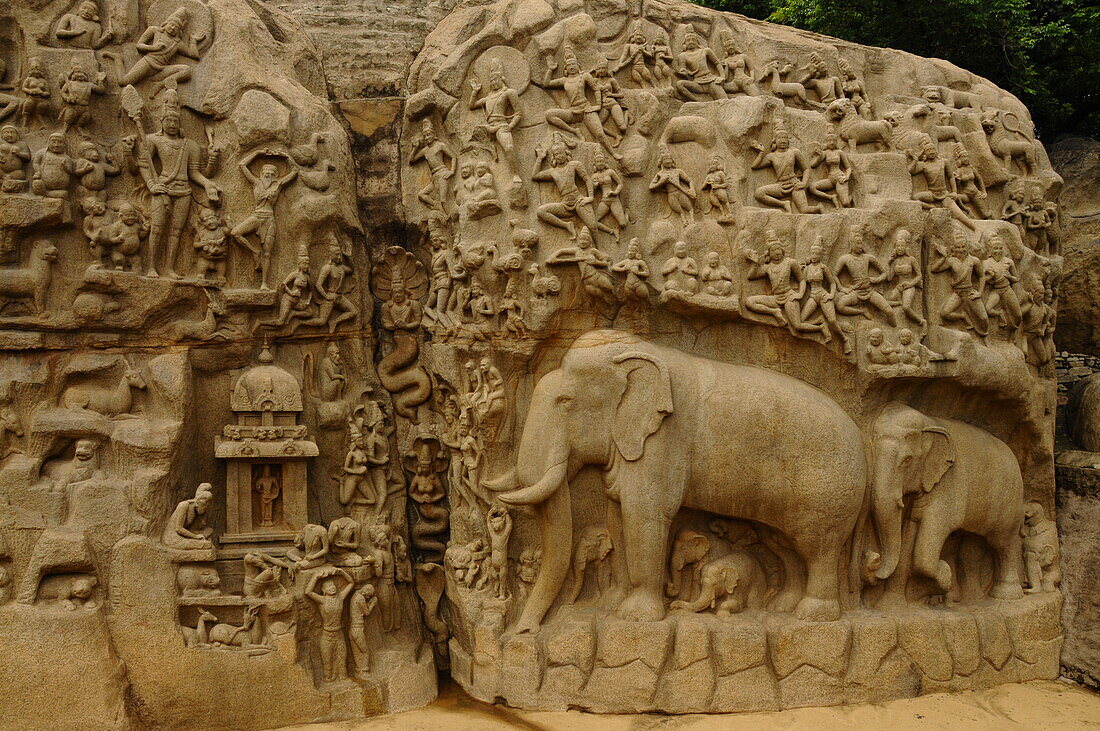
[794, 579]
[645, 530]
[1007, 546]
[927, 549]
[821, 602]
[893, 594]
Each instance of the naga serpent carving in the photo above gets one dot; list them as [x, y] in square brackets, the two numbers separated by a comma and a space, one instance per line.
[406, 381]
[399, 280]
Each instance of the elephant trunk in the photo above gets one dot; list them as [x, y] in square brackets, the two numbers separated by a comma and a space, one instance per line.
[886, 509]
[555, 517]
[672, 586]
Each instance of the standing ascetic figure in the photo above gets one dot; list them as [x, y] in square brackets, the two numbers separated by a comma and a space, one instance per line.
[651, 411]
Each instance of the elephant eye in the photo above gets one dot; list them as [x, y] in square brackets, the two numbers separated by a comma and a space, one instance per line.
[564, 399]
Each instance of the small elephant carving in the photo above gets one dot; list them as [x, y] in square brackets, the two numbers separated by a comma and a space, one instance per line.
[730, 584]
[685, 562]
[592, 547]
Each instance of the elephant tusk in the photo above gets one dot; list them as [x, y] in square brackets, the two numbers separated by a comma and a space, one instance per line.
[504, 483]
[541, 490]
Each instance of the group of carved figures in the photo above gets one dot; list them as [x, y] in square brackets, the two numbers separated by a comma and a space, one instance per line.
[923, 482]
[145, 196]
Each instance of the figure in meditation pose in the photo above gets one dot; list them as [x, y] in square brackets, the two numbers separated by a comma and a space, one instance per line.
[268, 487]
[265, 190]
[791, 172]
[822, 296]
[186, 528]
[999, 271]
[939, 178]
[679, 190]
[499, 524]
[965, 301]
[330, 605]
[716, 187]
[82, 29]
[159, 46]
[716, 277]
[592, 264]
[838, 172]
[781, 271]
[170, 187]
[564, 172]
[637, 272]
[904, 272]
[680, 271]
[332, 381]
[698, 71]
[579, 109]
[502, 113]
[861, 292]
[310, 547]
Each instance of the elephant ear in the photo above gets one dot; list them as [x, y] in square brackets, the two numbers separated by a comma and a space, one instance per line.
[939, 456]
[646, 401]
[730, 579]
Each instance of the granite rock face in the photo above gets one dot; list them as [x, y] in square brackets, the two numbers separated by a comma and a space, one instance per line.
[618, 355]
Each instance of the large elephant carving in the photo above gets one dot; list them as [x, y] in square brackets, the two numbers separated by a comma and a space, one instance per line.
[673, 430]
[964, 479]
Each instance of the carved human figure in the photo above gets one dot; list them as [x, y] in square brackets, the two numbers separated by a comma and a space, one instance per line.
[911, 355]
[295, 298]
[11, 429]
[969, 184]
[499, 525]
[999, 272]
[816, 78]
[363, 603]
[592, 264]
[332, 381]
[53, 169]
[880, 353]
[905, 273]
[343, 542]
[578, 109]
[609, 184]
[181, 165]
[564, 172]
[698, 71]
[680, 270]
[330, 606]
[823, 289]
[860, 294]
[310, 548]
[384, 571]
[965, 270]
[592, 547]
[502, 113]
[77, 88]
[93, 170]
[1014, 206]
[1042, 563]
[94, 223]
[635, 56]
[159, 46]
[441, 164]
[853, 88]
[125, 236]
[835, 186]
[83, 29]
[791, 172]
[262, 575]
[939, 178]
[677, 186]
[737, 74]
[716, 191]
[636, 270]
[186, 528]
[211, 246]
[36, 93]
[786, 284]
[511, 311]
[716, 277]
[268, 487]
[15, 153]
[359, 493]
[266, 189]
[1037, 224]
[609, 100]
[333, 305]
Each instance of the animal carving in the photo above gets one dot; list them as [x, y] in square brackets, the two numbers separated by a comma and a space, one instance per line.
[31, 283]
[1009, 143]
[112, 402]
[854, 130]
[773, 78]
[248, 636]
[730, 584]
[202, 329]
[592, 547]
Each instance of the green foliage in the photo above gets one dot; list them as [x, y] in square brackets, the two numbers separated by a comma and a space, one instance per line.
[1047, 52]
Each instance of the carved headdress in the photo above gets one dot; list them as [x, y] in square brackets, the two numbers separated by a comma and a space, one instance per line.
[180, 17]
[169, 104]
[569, 56]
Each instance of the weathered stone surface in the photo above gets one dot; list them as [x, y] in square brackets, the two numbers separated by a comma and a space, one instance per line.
[1078, 511]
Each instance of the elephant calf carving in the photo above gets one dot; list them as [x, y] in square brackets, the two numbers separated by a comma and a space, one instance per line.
[593, 546]
[674, 430]
[962, 478]
[730, 584]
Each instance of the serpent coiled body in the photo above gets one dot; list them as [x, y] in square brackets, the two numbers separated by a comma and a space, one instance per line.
[406, 381]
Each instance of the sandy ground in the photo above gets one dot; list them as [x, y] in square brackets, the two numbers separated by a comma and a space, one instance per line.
[1036, 705]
